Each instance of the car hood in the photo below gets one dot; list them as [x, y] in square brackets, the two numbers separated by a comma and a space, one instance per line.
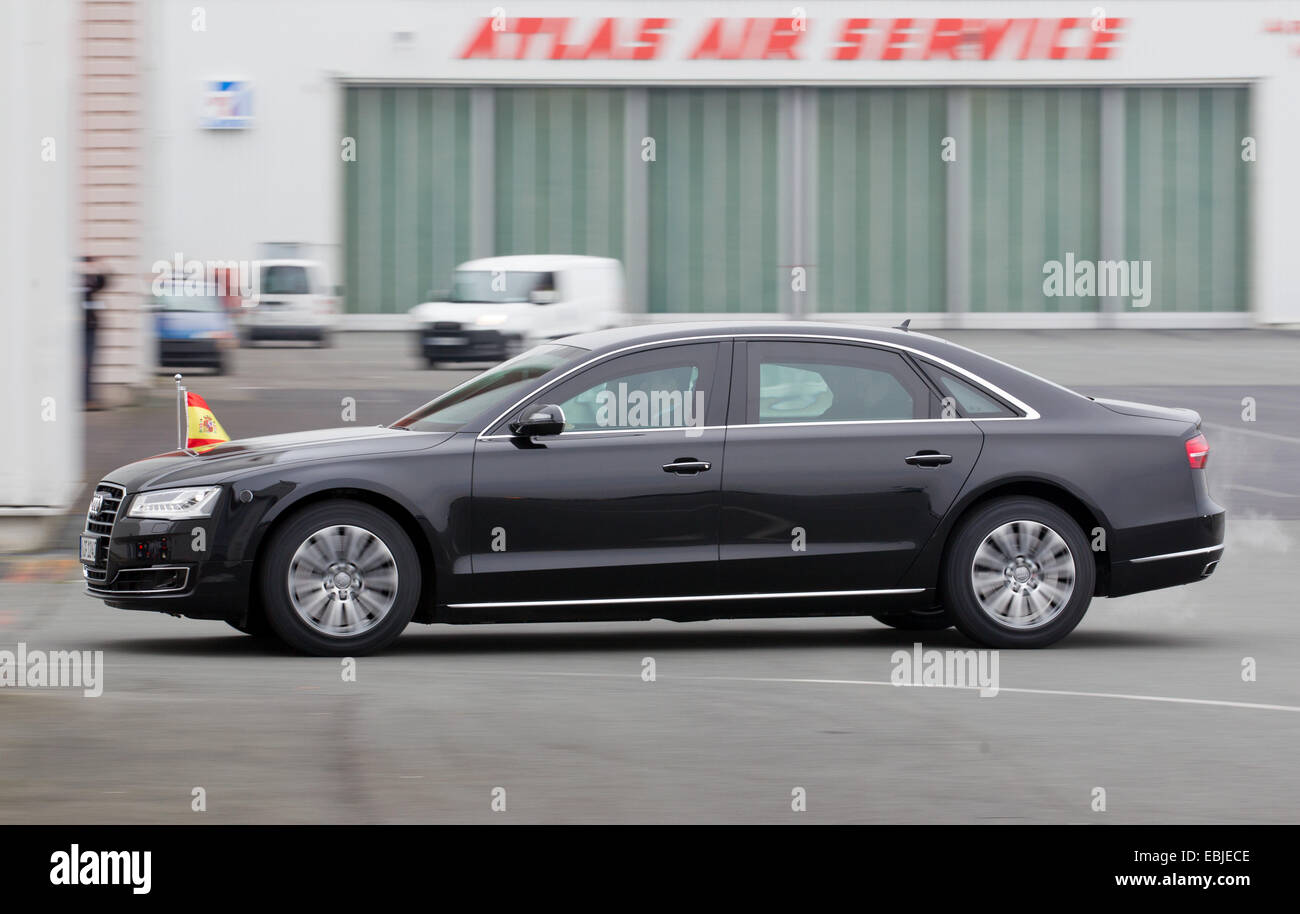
[1147, 410]
[225, 461]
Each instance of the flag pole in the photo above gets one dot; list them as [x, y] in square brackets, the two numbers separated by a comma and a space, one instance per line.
[180, 415]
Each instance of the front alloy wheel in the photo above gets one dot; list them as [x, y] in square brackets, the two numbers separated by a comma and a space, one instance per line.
[341, 577]
[343, 580]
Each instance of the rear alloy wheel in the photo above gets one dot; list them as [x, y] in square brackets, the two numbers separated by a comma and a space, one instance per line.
[340, 578]
[1018, 573]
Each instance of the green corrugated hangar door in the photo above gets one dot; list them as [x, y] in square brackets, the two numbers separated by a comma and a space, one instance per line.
[406, 196]
[880, 200]
[1186, 195]
[849, 183]
[713, 185]
[559, 171]
[1035, 194]
[549, 163]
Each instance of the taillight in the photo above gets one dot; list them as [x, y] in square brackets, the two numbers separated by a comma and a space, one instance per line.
[1198, 451]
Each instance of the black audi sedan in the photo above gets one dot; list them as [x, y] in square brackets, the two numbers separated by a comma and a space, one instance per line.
[685, 472]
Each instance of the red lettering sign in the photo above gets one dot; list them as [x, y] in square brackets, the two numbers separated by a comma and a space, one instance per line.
[906, 38]
[748, 39]
[547, 38]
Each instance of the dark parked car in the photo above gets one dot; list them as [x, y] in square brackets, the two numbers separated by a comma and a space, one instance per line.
[685, 472]
[193, 331]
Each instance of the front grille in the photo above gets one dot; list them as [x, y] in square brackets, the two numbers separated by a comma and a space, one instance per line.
[101, 523]
[445, 327]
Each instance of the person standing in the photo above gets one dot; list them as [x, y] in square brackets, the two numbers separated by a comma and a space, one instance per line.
[93, 282]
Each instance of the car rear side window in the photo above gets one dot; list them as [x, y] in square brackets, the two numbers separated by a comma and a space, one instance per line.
[970, 401]
[831, 382]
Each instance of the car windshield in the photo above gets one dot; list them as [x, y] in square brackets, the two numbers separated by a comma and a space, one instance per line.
[187, 303]
[285, 279]
[498, 286]
[495, 388]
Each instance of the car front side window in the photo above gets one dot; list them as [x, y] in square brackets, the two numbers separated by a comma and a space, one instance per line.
[659, 388]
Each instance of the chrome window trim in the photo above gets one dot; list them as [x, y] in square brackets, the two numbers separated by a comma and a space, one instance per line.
[848, 422]
[1029, 412]
[692, 598]
[1175, 555]
[619, 431]
[739, 425]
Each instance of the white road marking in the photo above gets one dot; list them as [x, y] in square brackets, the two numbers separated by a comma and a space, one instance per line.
[1258, 491]
[1272, 436]
[1122, 696]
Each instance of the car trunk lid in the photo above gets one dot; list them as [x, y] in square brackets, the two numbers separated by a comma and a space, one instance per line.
[1150, 411]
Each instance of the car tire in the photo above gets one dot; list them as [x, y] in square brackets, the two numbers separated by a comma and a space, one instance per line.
[340, 578]
[916, 621]
[1018, 573]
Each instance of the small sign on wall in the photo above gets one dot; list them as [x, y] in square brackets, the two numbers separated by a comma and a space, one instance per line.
[227, 104]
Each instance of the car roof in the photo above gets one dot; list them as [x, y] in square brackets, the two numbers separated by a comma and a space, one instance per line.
[1014, 381]
[613, 338]
[536, 262]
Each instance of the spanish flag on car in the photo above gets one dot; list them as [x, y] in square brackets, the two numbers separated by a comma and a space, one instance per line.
[204, 430]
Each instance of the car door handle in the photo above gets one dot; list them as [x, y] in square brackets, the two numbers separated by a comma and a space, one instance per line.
[687, 466]
[928, 459]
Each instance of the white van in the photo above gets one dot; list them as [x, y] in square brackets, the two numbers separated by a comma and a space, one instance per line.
[499, 306]
[289, 302]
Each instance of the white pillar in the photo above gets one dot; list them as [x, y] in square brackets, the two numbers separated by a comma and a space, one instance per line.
[1275, 230]
[40, 318]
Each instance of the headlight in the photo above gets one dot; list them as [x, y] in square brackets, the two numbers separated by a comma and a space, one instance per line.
[175, 504]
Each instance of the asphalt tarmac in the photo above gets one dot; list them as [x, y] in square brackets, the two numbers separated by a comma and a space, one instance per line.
[1146, 701]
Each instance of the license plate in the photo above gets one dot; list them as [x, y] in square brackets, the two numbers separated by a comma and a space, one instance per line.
[89, 548]
[447, 341]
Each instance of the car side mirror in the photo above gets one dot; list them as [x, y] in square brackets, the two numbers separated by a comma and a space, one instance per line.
[539, 420]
